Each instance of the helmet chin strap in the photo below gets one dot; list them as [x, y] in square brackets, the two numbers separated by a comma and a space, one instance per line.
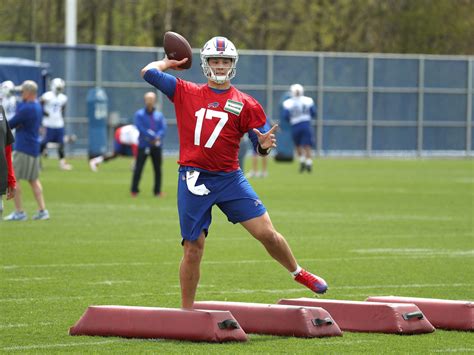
[219, 79]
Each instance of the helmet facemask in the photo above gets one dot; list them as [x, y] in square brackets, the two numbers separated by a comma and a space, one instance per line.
[209, 72]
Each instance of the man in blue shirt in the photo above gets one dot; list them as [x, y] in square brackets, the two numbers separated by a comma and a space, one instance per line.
[152, 127]
[27, 121]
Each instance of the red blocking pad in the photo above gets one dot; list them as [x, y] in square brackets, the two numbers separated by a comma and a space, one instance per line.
[273, 319]
[370, 316]
[445, 314]
[165, 323]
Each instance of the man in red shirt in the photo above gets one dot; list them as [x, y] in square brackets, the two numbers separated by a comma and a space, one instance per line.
[211, 119]
[7, 175]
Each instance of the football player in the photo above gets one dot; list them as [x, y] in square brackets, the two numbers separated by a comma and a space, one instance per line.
[54, 107]
[211, 120]
[125, 143]
[299, 110]
[8, 98]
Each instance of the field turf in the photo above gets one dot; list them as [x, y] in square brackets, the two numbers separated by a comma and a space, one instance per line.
[369, 227]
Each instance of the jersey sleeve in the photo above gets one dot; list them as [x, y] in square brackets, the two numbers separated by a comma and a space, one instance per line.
[254, 117]
[20, 117]
[164, 82]
[182, 87]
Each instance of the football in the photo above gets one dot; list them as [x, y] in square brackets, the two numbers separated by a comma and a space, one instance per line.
[177, 47]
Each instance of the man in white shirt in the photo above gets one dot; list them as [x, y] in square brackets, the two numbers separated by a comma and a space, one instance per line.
[54, 106]
[299, 110]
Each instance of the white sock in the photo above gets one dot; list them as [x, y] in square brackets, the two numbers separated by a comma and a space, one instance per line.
[297, 271]
[309, 162]
[99, 159]
[302, 159]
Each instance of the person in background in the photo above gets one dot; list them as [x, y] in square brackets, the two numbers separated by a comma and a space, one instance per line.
[26, 161]
[299, 110]
[8, 98]
[7, 174]
[151, 125]
[125, 144]
[255, 172]
[54, 108]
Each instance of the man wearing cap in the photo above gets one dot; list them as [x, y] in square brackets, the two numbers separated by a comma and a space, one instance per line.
[27, 121]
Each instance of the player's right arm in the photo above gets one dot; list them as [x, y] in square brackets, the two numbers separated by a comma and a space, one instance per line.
[154, 74]
[20, 117]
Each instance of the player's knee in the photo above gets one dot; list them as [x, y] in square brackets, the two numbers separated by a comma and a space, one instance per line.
[267, 235]
[193, 252]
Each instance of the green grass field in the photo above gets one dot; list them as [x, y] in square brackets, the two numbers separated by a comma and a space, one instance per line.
[369, 227]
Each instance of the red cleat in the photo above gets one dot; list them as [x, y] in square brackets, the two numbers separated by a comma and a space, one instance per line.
[313, 282]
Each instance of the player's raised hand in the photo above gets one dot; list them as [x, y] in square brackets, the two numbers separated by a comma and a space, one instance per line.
[175, 64]
[268, 139]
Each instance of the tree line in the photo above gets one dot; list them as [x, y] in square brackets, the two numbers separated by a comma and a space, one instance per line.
[383, 26]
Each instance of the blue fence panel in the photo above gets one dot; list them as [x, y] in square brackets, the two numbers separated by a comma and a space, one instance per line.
[345, 72]
[289, 70]
[23, 51]
[125, 101]
[401, 73]
[446, 74]
[445, 107]
[444, 138]
[125, 66]
[251, 69]
[77, 101]
[395, 107]
[394, 138]
[344, 138]
[171, 140]
[72, 64]
[472, 106]
[345, 106]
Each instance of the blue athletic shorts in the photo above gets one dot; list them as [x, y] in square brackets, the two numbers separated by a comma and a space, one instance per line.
[55, 135]
[231, 192]
[122, 149]
[302, 134]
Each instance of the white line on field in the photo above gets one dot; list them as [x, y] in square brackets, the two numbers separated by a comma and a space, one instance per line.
[50, 346]
[415, 251]
[458, 350]
[19, 325]
[109, 282]
[237, 291]
[23, 325]
[251, 261]
[27, 279]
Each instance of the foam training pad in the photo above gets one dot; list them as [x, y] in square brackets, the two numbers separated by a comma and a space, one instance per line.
[165, 323]
[445, 314]
[370, 316]
[278, 319]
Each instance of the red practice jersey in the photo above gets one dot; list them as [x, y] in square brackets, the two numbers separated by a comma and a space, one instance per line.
[210, 125]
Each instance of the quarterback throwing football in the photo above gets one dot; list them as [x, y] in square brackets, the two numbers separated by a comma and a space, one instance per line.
[211, 120]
